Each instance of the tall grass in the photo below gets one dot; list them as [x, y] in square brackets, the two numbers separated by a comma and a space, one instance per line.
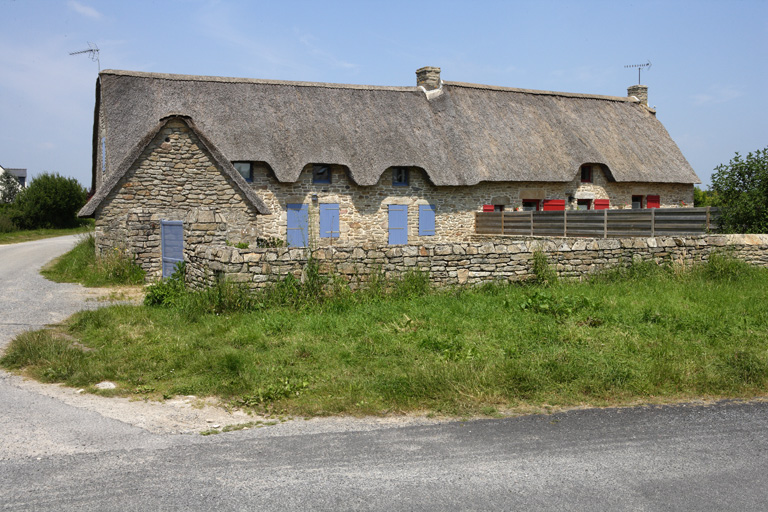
[80, 265]
[641, 334]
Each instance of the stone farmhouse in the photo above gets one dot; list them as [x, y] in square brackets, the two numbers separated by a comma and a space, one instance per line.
[182, 160]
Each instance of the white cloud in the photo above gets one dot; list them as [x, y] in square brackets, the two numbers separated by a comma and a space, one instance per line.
[716, 94]
[328, 58]
[89, 12]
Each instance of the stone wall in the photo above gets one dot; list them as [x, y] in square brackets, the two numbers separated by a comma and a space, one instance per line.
[173, 179]
[477, 261]
[363, 211]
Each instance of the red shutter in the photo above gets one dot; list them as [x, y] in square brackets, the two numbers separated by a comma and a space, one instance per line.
[487, 207]
[602, 204]
[551, 205]
[653, 202]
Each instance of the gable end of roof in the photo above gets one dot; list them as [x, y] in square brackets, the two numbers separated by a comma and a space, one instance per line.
[130, 159]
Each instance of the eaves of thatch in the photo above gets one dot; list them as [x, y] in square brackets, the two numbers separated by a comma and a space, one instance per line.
[112, 180]
[464, 135]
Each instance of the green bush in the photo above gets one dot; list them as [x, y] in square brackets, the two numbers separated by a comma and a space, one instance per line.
[168, 292]
[6, 224]
[741, 192]
[544, 273]
[50, 201]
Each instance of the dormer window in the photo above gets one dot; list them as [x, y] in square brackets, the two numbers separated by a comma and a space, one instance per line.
[321, 174]
[586, 174]
[245, 169]
[399, 176]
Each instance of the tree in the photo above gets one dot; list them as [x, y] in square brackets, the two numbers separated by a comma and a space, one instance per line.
[741, 191]
[703, 197]
[50, 201]
[9, 187]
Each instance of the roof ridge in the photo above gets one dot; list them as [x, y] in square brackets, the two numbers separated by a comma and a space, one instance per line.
[540, 92]
[263, 81]
[325, 85]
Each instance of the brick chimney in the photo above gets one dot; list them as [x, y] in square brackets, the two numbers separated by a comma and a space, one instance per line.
[640, 92]
[428, 77]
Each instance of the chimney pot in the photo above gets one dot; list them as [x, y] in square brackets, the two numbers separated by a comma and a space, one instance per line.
[640, 92]
[428, 77]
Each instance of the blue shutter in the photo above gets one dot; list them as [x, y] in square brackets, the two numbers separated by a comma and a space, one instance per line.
[426, 220]
[172, 245]
[398, 224]
[298, 225]
[329, 221]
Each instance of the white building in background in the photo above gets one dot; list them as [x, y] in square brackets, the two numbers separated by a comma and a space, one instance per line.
[20, 174]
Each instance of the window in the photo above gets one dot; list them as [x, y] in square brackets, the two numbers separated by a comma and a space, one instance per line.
[530, 205]
[321, 174]
[586, 174]
[400, 176]
[245, 169]
[329, 221]
[637, 202]
[426, 220]
[584, 204]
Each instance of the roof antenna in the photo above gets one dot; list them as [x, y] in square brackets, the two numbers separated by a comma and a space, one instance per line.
[93, 53]
[639, 67]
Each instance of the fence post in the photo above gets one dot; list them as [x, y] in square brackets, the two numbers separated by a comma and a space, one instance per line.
[653, 222]
[502, 223]
[565, 223]
[708, 207]
[605, 223]
[531, 212]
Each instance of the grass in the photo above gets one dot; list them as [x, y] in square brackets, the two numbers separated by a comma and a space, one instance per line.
[15, 237]
[647, 333]
[80, 265]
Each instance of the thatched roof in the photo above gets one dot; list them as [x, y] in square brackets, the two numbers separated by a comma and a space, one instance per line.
[113, 178]
[465, 135]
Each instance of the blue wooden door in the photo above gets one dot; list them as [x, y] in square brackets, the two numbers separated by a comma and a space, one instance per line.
[398, 224]
[172, 245]
[298, 225]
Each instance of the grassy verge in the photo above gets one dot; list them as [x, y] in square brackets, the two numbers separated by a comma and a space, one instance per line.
[15, 237]
[80, 265]
[643, 334]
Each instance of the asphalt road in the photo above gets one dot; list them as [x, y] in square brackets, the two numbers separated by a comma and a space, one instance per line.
[685, 457]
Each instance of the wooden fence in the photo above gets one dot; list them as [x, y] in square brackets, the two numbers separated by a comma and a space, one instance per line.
[599, 223]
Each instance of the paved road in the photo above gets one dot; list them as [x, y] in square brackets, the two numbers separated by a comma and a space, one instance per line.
[688, 457]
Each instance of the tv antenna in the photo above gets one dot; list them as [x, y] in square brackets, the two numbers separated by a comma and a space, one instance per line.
[93, 53]
[639, 67]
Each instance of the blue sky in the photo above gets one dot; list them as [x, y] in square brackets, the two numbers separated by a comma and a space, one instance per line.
[708, 80]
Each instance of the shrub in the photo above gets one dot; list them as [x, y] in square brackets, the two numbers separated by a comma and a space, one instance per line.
[50, 201]
[6, 224]
[544, 273]
[168, 292]
[741, 192]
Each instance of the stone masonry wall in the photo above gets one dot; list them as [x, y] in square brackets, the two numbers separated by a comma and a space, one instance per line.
[474, 262]
[173, 179]
[363, 211]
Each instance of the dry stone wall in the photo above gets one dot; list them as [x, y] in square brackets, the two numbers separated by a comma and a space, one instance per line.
[480, 260]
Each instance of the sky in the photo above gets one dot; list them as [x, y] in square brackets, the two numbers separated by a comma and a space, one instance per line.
[708, 77]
